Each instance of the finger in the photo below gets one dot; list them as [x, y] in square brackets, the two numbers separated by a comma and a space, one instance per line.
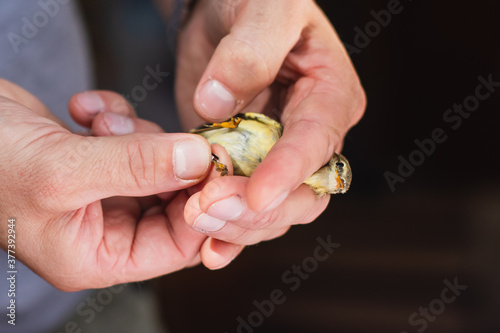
[308, 142]
[195, 262]
[166, 196]
[146, 203]
[219, 210]
[163, 243]
[108, 124]
[224, 158]
[248, 59]
[313, 131]
[19, 95]
[225, 230]
[217, 254]
[131, 165]
[226, 199]
[108, 113]
[85, 106]
[120, 218]
[322, 106]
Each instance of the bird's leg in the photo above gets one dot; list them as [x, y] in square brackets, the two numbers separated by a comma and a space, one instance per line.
[222, 168]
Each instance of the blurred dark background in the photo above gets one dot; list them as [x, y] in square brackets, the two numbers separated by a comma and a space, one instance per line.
[397, 247]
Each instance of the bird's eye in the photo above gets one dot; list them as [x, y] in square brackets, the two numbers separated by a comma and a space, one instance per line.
[340, 165]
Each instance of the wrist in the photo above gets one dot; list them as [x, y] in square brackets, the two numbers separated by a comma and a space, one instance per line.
[177, 13]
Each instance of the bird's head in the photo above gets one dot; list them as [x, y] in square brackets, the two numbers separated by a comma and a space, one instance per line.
[342, 172]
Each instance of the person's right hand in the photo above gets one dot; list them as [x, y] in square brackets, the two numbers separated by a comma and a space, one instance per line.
[53, 182]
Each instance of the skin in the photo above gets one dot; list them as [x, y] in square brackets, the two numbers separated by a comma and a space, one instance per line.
[282, 54]
[83, 215]
[271, 55]
[250, 228]
[95, 221]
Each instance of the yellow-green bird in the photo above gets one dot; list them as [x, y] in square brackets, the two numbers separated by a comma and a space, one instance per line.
[248, 138]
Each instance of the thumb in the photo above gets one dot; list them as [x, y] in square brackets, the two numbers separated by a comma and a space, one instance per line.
[15, 93]
[248, 59]
[87, 169]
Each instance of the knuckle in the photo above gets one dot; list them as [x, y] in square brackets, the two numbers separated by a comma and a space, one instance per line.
[266, 220]
[50, 186]
[140, 164]
[240, 237]
[120, 105]
[214, 188]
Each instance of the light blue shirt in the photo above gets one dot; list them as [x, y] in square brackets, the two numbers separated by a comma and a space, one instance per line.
[42, 49]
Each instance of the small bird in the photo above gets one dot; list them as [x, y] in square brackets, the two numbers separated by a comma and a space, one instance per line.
[248, 138]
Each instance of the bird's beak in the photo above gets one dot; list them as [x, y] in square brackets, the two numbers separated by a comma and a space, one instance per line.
[340, 183]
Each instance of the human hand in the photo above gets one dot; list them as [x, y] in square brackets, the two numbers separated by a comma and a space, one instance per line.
[116, 117]
[271, 55]
[112, 115]
[53, 182]
[263, 56]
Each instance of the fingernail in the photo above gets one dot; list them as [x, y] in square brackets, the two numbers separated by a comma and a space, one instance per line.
[278, 201]
[215, 100]
[91, 102]
[191, 159]
[206, 223]
[117, 124]
[227, 209]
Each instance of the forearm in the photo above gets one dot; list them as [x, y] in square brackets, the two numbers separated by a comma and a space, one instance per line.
[175, 14]
[168, 8]
[165, 7]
